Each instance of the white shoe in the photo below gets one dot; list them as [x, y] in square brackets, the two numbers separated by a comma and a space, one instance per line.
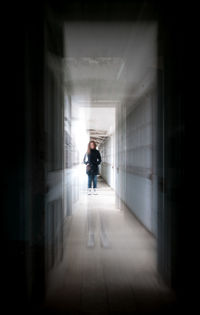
[95, 191]
[89, 191]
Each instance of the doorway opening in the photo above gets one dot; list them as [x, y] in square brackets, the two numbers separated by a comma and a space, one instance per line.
[110, 96]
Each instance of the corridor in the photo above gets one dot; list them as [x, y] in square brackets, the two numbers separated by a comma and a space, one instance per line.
[111, 73]
[109, 264]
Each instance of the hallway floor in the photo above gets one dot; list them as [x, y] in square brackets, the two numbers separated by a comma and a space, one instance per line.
[109, 264]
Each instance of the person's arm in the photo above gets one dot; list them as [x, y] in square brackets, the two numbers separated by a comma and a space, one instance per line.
[84, 159]
[98, 158]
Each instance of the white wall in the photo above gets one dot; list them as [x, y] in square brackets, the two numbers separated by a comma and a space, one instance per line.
[107, 169]
[139, 160]
[134, 159]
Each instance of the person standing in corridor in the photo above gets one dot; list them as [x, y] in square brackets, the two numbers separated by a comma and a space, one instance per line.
[92, 159]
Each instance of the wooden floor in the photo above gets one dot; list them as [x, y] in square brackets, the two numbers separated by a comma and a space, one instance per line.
[109, 265]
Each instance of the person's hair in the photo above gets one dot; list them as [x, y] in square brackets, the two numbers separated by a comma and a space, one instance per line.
[88, 149]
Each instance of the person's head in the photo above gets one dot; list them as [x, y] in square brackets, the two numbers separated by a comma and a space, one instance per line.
[91, 145]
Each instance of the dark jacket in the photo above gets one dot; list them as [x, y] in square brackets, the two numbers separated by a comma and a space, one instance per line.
[94, 159]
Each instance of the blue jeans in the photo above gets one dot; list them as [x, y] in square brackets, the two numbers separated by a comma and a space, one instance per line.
[92, 178]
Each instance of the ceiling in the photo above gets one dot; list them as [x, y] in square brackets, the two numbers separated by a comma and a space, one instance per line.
[99, 121]
[106, 64]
